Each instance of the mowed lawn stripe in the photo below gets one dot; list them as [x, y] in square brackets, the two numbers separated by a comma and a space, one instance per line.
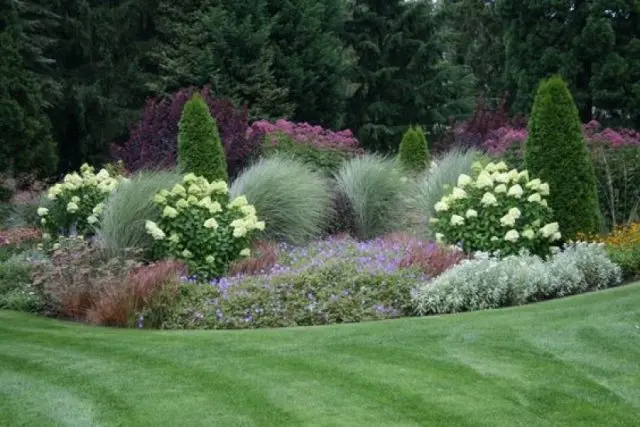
[566, 362]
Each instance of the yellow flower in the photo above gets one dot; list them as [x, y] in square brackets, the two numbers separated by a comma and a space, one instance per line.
[179, 190]
[211, 223]
[169, 212]
[43, 211]
[246, 252]
[159, 199]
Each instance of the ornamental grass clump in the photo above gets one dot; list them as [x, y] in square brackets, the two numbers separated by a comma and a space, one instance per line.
[202, 227]
[76, 204]
[496, 210]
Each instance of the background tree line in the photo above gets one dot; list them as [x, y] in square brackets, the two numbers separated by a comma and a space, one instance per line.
[74, 74]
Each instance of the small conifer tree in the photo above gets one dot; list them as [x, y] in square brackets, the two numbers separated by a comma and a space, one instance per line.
[199, 146]
[556, 153]
[414, 153]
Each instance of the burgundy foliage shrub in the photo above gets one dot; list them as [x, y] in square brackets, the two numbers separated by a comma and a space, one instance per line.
[264, 255]
[153, 141]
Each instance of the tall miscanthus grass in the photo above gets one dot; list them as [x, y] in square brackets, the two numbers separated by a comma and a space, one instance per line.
[294, 202]
[433, 184]
[376, 193]
[122, 225]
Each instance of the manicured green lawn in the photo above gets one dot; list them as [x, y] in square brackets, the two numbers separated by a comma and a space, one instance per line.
[568, 362]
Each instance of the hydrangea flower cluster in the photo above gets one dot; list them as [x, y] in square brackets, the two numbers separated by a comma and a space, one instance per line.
[497, 210]
[76, 203]
[202, 227]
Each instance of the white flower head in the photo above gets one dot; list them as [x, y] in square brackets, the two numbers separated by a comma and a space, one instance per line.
[457, 220]
[535, 198]
[169, 212]
[458, 193]
[508, 221]
[246, 252]
[515, 212]
[464, 180]
[501, 188]
[529, 234]
[512, 236]
[484, 180]
[210, 259]
[489, 199]
[72, 207]
[544, 189]
[211, 223]
[91, 219]
[153, 229]
[43, 211]
[534, 184]
[471, 213]
[439, 237]
[515, 191]
[502, 166]
[441, 206]
[550, 230]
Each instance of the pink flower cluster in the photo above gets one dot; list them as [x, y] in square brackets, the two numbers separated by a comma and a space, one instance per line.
[502, 139]
[305, 133]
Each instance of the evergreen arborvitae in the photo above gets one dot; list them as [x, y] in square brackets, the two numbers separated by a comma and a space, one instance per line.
[199, 147]
[556, 153]
[414, 154]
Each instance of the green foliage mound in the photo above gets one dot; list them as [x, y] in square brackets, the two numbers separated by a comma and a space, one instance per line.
[556, 153]
[199, 146]
[294, 201]
[414, 153]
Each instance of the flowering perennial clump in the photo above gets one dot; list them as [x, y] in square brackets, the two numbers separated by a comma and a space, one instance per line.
[202, 227]
[497, 210]
[77, 202]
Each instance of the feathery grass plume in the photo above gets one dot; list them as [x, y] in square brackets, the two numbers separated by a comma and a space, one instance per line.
[122, 224]
[376, 193]
[433, 184]
[293, 201]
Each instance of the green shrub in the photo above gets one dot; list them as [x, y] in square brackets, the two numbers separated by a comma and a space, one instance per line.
[556, 153]
[323, 160]
[199, 146]
[122, 225]
[294, 201]
[333, 293]
[431, 186]
[15, 273]
[376, 194]
[487, 282]
[201, 227]
[414, 153]
[496, 210]
[16, 291]
[76, 203]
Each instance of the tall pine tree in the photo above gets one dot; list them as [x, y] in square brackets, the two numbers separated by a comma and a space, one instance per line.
[402, 75]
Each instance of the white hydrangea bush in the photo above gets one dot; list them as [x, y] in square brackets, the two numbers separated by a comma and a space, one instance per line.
[76, 203]
[498, 211]
[202, 226]
[485, 281]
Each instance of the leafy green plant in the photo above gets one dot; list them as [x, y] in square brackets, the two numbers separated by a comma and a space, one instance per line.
[200, 226]
[199, 146]
[556, 153]
[324, 160]
[122, 224]
[488, 282]
[414, 153]
[294, 201]
[434, 183]
[76, 203]
[376, 194]
[496, 210]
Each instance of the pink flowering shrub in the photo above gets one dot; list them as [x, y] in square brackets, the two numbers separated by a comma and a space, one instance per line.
[322, 149]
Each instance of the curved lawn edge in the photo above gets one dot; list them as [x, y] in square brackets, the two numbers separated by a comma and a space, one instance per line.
[565, 362]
